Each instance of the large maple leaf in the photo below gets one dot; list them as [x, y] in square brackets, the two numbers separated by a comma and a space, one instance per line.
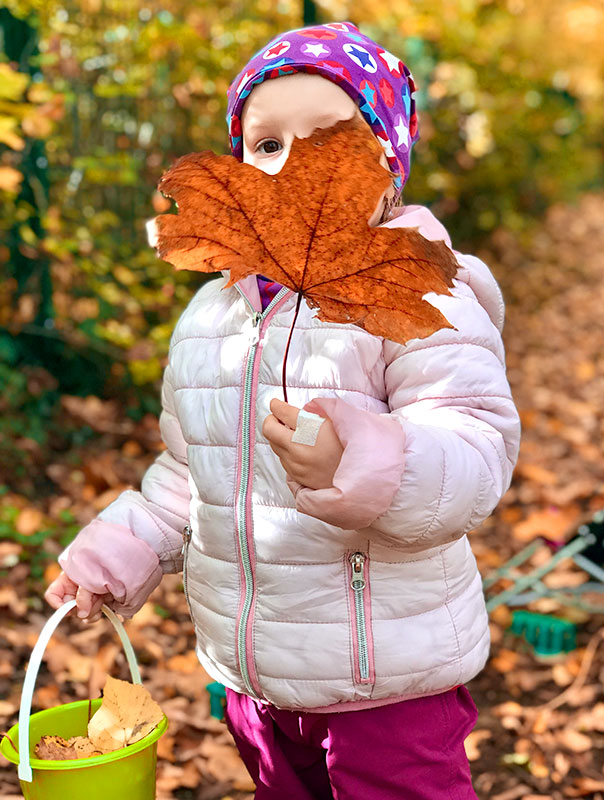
[306, 228]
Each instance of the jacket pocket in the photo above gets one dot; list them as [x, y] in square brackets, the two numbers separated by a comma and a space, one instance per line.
[186, 541]
[360, 613]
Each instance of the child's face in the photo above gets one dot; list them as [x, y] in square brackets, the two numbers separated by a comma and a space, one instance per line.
[293, 106]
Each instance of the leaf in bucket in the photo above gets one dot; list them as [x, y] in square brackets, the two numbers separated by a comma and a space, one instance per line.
[83, 747]
[127, 714]
[55, 748]
[307, 228]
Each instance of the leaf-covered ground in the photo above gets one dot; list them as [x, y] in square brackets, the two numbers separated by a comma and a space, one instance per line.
[540, 734]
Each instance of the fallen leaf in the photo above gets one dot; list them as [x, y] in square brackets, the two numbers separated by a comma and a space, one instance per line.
[224, 761]
[51, 572]
[573, 740]
[10, 599]
[553, 524]
[126, 715]
[473, 741]
[29, 521]
[562, 765]
[583, 787]
[513, 794]
[306, 227]
[505, 660]
[539, 474]
[592, 719]
[172, 776]
[47, 696]
[83, 747]
[542, 721]
[54, 748]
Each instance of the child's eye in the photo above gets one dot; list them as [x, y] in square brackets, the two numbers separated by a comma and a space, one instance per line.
[269, 146]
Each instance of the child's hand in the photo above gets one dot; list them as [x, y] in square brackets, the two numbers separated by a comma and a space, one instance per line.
[313, 467]
[63, 589]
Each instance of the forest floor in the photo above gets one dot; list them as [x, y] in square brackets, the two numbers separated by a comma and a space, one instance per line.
[540, 733]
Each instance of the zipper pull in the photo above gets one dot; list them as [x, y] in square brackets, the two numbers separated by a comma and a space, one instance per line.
[357, 561]
[186, 538]
[256, 319]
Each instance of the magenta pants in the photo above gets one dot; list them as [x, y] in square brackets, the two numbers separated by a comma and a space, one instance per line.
[412, 750]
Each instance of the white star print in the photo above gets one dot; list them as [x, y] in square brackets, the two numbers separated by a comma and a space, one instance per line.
[315, 49]
[244, 80]
[402, 133]
[387, 145]
[392, 62]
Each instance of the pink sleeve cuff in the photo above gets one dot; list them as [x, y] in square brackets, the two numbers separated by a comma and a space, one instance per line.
[109, 558]
[369, 473]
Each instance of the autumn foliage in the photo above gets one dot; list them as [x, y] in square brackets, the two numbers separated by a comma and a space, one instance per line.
[309, 232]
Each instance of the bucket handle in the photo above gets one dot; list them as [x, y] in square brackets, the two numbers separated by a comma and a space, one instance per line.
[24, 770]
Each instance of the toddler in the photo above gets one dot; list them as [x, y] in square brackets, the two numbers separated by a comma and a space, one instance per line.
[332, 586]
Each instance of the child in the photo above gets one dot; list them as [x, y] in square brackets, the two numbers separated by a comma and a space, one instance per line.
[332, 586]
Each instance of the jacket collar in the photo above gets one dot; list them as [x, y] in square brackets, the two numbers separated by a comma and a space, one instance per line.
[249, 288]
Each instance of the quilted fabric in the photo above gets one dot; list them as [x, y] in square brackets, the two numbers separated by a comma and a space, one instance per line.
[425, 618]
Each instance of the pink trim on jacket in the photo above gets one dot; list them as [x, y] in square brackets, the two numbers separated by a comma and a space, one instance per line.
[249, 524]
[363, 705]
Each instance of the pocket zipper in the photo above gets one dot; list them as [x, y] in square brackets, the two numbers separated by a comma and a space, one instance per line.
[361, 634]
[186, 541]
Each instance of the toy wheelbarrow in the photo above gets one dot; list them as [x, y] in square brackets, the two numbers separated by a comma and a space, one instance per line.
[125, 774]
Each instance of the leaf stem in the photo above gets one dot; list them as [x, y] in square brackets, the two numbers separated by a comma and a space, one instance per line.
[289, 338]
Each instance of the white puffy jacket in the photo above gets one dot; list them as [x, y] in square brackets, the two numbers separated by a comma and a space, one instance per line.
[362, 594]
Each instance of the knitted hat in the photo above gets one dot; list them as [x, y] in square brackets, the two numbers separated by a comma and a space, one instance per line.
[377, 81]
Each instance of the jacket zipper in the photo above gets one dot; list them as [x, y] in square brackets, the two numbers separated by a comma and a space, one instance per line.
[361, 626]
[186, 541]
[244, 503]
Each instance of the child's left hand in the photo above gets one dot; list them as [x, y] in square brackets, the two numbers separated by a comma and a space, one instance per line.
[313, 467]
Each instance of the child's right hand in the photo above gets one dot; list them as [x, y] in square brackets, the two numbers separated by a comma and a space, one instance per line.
[105, 564]
[88, 604]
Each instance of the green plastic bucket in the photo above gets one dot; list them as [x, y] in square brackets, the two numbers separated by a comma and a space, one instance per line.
[126, 774]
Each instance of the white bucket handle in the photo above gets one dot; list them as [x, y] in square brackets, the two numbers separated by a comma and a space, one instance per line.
[25, 773]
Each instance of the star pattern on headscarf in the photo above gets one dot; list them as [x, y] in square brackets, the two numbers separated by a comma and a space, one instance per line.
[360, 56]
[369, 92]
[391, 61]
[277, 50]
[316, 49]
[402, 131]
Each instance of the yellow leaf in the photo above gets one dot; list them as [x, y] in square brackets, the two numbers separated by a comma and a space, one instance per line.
[12, 83]
[127, 714]
[8, 136]
[10, 179]
[37, 125]
[40, 93]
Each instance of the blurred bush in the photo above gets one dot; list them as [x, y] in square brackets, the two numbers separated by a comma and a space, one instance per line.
[98, 97]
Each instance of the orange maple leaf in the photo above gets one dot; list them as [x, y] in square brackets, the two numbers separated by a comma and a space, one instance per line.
[306, 227]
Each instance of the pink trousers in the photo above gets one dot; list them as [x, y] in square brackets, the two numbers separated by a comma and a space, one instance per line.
[412, 750]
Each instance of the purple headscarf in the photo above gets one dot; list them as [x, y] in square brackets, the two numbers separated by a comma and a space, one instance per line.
[377, 81]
